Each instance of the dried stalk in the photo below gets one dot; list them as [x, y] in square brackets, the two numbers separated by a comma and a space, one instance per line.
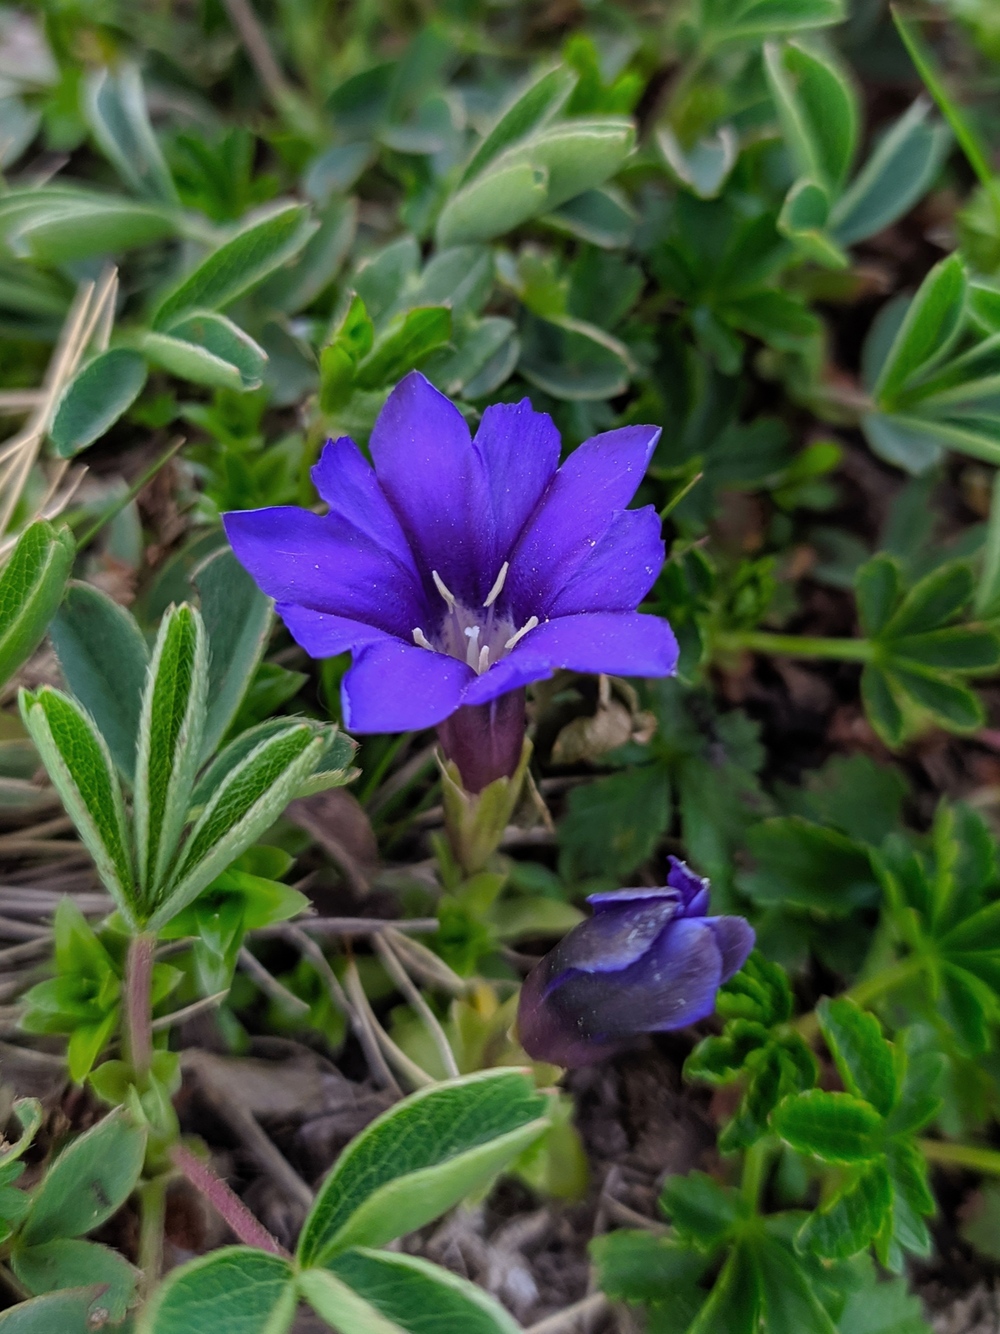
[416, 999]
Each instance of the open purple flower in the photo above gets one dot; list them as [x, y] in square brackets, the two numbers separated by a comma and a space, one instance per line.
[649, 960]
[458, 570]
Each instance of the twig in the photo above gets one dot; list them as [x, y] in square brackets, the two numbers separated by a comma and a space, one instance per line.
[363, 1032]
[429, 967]
[270, 985]
[188, 1011]
[394, 1054]
[244, 1125]
[595, 1304]
[354, 926]
[262, 58]
[403, 980]
[225, 1201]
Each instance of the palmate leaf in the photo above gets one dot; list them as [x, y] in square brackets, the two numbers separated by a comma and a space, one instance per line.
[78, 762]
[170, 737]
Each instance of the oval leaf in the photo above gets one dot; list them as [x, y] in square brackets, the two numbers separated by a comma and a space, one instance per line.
[95, 398]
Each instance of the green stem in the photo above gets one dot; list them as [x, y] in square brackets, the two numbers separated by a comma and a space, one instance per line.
[153, 1212]
[795, 646]
[863, 993]
[755, 1167]
[972, 1156]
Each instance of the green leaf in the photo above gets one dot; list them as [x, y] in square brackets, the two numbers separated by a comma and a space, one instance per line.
[170, 735]
[221, 338]
[68, 1263]
[834, 1127]
[878, 589]
[104, 658]
[706, 166]
[929, 329]
[958, 648]
[237, 619]
[899, 172]
[863, 1057]
[234, 1290]
[601, 216]
[932, 602]
[803, 220]
[906, 442]
[189, 361]
[490, 342]
[493, 203]
[58, 225]
[530, 110]
[93, 400]
[818, 110]
[79, 764]
[421, 1157]
[416, 1296]
[734, 1304]
[790, 1306]
[805, 865]
[76, 1311]
[405, 345]
[850, 1220]
[635, 1266]
[88, 1182]
[31, 588]
[614, 823]
[249, 799]
[881, 706]
[703, 1212]
[573, 360]
[951, 705]
[115, 106]
[745, 20]
[239, 265]
[883, 1308]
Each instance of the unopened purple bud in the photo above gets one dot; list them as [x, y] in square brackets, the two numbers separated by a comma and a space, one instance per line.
[648, 961]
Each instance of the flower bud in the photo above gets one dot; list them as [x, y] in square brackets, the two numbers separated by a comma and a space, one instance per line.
[649, 960]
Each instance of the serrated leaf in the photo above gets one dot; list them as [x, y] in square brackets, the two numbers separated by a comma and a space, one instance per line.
[104, 658]
[862, 1055]
[79, 764]
[421, 1157]
[249, 799]
[170, 735]
[834, 1127]
[234, 1290]
[94, 399]
[88, 1182]
[239, 264]
[31, 588]
[788, 1300]
[635, 1266]
[734, 1302]
[850, 1220]
[702, 1211]
[237, 618]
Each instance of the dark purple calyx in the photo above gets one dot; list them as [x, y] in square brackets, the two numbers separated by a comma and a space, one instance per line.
[485, 740]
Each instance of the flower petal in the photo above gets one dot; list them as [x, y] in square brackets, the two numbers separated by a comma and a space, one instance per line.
[596, 481]
[735, 939]
[520, 451]
[347, 482]
[325, 564]
[620, 570]
[436, 483]
[549, 1034]
[323, 635]
[613, 939]
[692, 888]
[396, 687]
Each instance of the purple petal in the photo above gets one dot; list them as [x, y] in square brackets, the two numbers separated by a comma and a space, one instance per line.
[613, 939]
[347, 482]
[323, 635]
[621, 643]
[520, 451]
[396, 687]
[325, 564]
[692, 888]
[596, 481]
[436, 483]
[607, 899]
[549, 1034]
[620, 570]
[510, 673]
[672, 985]
[735, 939]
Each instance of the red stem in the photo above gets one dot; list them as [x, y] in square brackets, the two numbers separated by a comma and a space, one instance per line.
[226, 1202]
[138, 1011]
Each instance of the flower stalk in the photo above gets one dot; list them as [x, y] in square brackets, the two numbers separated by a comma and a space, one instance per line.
[225, 1201]
[137, 1014]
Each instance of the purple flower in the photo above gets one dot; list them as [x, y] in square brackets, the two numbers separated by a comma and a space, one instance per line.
[649, 960]
[458, 570]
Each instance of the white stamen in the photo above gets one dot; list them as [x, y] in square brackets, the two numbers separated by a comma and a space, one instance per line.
[484, 659]
[443, 589]
[495, 591]
[421, 640]
[472, 653]
[529, 624]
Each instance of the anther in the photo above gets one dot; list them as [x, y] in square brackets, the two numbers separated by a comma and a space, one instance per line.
[529, 624]
[421, 640]
[497, 588]
[484, 659]
[444, 590]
